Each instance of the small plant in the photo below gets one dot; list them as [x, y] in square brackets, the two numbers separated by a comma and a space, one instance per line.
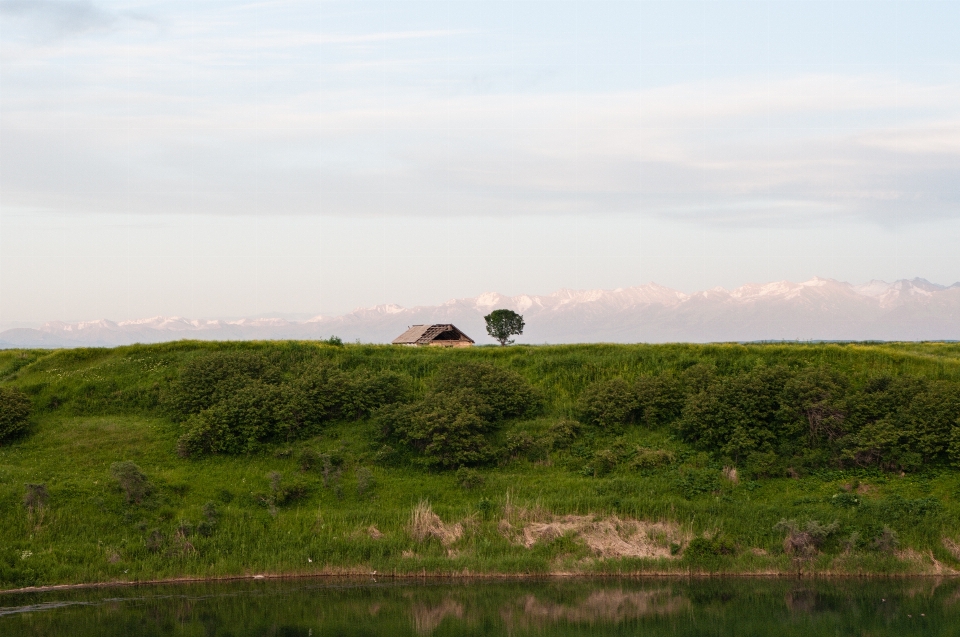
[604, 461]
[365, 481]
[804, 541]
[308, 460]
[486, 508]
[35, 499]
[132, 480]
[469, 479]
[887, 541]
[845, 499]
[651, 458]
[210, 518]
[563, 433]
[285, 493]
[154, 541]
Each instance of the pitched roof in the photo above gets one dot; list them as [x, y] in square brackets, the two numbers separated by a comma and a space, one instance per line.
[423, 334]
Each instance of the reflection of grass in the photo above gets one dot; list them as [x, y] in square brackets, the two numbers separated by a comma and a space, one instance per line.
[98, 407]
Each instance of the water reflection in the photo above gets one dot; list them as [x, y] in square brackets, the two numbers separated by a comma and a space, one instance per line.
[676, 607]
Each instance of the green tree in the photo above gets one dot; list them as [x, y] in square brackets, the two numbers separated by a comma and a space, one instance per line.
[502, 324]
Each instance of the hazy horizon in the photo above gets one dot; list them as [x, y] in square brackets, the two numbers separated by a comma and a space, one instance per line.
[239, 159]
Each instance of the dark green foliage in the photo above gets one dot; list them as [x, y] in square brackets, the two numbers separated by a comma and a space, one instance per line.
[448, 429]
[255, 412]
[132, 481]
[451, 426]
[692, 481]
[502, 324]
[211, 378]
[736, 415]
[609, 404]
[506, 393]
[309, 459]
[563, 433]
[14, 412]
[706, 551]
[323, 393]
[614, 403]
[251, 414]
[523, 445]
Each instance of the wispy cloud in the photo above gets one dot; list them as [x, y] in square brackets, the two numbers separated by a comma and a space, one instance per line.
[55, 18]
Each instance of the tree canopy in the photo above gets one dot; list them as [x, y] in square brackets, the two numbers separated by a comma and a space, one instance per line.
[502, 324]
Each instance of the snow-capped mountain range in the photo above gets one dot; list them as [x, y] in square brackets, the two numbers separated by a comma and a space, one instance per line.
[818, 309]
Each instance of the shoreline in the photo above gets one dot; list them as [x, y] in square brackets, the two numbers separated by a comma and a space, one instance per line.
[347, 575]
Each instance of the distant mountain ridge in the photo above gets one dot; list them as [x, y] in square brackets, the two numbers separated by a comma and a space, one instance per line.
[818, 309]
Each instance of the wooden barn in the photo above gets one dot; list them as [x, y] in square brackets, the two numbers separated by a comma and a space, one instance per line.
[440, 335]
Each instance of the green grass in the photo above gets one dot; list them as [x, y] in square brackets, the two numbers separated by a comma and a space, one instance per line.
[94, 407]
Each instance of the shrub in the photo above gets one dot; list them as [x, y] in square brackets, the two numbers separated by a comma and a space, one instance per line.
[804, 541]
[253, 414]
[448, 429]
[692, 482]
[604, 462]
[736, 415]
[207, 380]
[469, 478]
[14, 412]
[608, 404]
[132, 480]
[887, 541]
[211, 516]
[283, 493]
[708, 549]
[35, 497]
[563, 433]
[324, 393]
[308, 460]
[659, 399]
[522, 444]
[651, 458]
[507, 393]
[365, 481]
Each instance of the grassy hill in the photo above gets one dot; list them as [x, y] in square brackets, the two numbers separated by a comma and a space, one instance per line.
[614, 461]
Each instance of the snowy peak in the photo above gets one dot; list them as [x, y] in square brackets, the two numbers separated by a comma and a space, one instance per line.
[817, 309]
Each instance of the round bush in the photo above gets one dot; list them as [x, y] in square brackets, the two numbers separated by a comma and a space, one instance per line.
[14, 412]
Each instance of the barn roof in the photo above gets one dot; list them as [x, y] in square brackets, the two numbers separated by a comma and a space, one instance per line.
[423, 334]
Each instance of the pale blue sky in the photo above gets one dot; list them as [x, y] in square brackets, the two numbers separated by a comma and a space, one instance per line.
[244, 158]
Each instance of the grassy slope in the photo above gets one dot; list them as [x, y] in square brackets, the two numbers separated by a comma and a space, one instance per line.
[101, 406]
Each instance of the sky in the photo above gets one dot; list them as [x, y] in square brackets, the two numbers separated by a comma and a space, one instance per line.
[228, 159]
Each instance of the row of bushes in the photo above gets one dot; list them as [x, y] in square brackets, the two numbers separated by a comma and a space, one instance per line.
[812, 416]
[233, 402]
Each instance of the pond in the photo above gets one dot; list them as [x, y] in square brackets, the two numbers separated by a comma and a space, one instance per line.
[677, 607]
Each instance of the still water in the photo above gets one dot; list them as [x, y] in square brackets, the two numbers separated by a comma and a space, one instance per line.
[677, 607]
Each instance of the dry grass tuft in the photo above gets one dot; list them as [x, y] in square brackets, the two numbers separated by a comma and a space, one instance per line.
[425, 524]
[608, 537]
